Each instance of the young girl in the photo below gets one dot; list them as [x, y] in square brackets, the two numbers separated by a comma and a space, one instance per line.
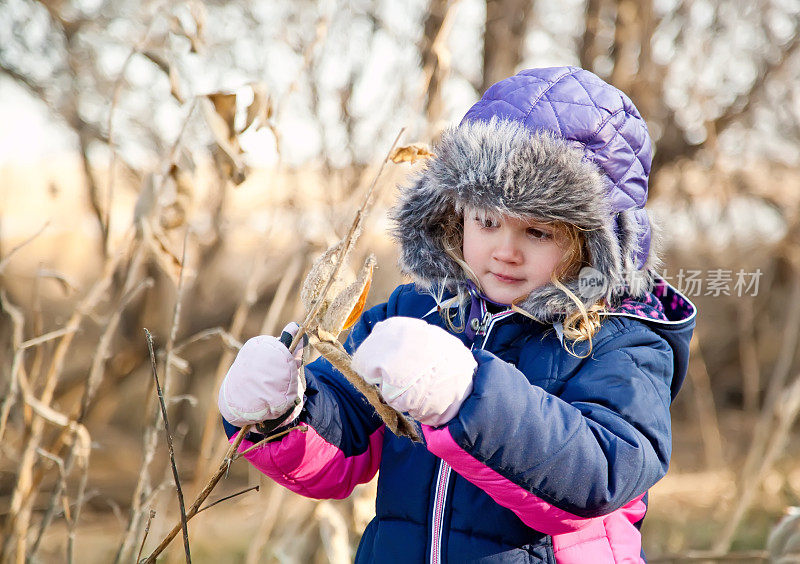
[536, 348]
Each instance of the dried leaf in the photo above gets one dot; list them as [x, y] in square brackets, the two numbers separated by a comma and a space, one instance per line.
[225, 106]
[411, 153]
[229, 165]
[172, 216]
[185, 162]
[260, 110]
[166, 259]
[220, 119]
[184, 183]
[176, 26]
[358, 309]
[197, 45]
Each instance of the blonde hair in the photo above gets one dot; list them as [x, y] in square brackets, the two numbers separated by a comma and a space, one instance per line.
[579, 325]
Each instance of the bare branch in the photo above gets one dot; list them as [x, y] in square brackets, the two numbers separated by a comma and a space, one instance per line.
[230, 342]
[36, 341]
[745, 103]
[4, 262]
[146, 531]
[262, 442]
[227, 497]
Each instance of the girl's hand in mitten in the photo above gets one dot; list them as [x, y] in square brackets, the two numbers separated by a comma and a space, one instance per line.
[263, 383]
[419, 368]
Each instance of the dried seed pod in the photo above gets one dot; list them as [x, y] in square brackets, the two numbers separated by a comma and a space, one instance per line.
[318, 277]
[345, 309]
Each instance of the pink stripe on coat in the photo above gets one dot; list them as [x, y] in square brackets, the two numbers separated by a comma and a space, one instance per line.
[307, 464]
[609, 538]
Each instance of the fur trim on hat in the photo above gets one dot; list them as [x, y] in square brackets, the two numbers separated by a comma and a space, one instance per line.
[502, 167]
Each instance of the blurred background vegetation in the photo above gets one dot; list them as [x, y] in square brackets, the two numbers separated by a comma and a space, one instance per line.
[177, 165]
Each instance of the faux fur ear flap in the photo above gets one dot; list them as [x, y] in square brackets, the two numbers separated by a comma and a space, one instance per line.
[653, 262]
[631, 230]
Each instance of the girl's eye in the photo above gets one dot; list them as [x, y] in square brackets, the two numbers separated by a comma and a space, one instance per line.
[485, 222]
[539, 234]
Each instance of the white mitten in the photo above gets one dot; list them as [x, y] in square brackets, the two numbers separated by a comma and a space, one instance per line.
[263, 383]
[419, 368]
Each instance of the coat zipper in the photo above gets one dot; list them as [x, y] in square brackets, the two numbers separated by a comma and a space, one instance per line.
[439, 500]
[445, 471]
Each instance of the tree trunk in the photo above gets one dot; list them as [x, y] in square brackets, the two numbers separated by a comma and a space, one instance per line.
[504, 38]
[430, 60]
[588, 49]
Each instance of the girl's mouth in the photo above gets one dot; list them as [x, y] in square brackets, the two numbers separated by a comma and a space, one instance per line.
[506, 279]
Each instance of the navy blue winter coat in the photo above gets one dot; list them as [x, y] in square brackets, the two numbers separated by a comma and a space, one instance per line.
[548, 460]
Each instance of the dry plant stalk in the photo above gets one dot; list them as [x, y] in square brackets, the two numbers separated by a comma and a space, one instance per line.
[18, 522]
[151, 431]
[398, 423]
[105, 218]
[333, 533]
[81, 450]
[346, 244]
[146, 532]
[265, 440]
[286, 284]
[227, 497]
[169, 445]
[264, 529]
[90, 389]
[705, 406]
[16, 363]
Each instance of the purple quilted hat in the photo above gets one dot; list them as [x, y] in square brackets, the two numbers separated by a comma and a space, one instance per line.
[579, 107]
[556, 144]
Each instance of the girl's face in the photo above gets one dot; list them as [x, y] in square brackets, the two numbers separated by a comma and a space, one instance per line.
[510, 257]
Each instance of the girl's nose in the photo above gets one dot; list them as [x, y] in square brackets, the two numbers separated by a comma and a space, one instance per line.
[507, 250]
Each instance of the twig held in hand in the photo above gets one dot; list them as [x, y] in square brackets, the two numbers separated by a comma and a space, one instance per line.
[398, 423]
